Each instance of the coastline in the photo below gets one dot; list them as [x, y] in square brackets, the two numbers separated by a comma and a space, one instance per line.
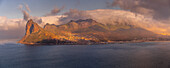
[96, 43]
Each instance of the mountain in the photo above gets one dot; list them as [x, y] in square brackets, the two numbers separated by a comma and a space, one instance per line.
[83, 32]
[35, 33]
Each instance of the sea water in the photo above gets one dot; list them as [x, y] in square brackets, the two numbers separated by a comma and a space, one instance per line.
[125, 55]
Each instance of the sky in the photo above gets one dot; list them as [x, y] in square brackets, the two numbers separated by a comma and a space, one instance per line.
[152, 15]
[9, 8]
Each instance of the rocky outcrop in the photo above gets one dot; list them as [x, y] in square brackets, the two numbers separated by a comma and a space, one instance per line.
[83, 32]
[35, 33]
[32, 27]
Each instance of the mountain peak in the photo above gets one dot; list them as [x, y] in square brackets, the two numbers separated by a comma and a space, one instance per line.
[34, 33]
[32, 27]
[87, 20]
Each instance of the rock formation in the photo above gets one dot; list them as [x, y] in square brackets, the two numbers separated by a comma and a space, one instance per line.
[83, 32]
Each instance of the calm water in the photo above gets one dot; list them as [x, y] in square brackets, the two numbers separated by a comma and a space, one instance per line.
[128, 55]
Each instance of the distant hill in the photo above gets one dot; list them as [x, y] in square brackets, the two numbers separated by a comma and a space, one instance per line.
[85, 32]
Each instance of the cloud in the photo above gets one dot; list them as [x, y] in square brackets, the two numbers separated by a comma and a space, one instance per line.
[11, 28]
[109, 16]
[27, 7]
[74, 14]
[155, 12]
[158, 9]
[14, 28]
[55, 11]
[51, 20]
[26, 15]
[7, 24]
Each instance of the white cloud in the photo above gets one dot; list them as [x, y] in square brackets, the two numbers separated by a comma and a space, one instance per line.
[7, 24]
[55, 11]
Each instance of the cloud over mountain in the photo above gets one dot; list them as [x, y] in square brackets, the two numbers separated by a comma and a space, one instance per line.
[27, 7]
[7, 24]
[11, 28]
[74, 14]
[159, 9]
[156, 11]
[26, 15]
[109, 16]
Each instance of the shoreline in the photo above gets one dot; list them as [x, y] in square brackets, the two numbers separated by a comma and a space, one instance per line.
[97, 43]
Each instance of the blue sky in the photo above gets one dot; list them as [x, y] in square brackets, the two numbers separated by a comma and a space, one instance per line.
[9, 8]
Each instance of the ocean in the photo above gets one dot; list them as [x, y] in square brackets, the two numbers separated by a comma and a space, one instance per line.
[125, 55]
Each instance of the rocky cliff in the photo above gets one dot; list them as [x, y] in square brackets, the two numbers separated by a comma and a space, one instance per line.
[35, 33]
[83, 32]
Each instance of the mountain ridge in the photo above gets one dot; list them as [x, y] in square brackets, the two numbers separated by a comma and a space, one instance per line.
[84, 32]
